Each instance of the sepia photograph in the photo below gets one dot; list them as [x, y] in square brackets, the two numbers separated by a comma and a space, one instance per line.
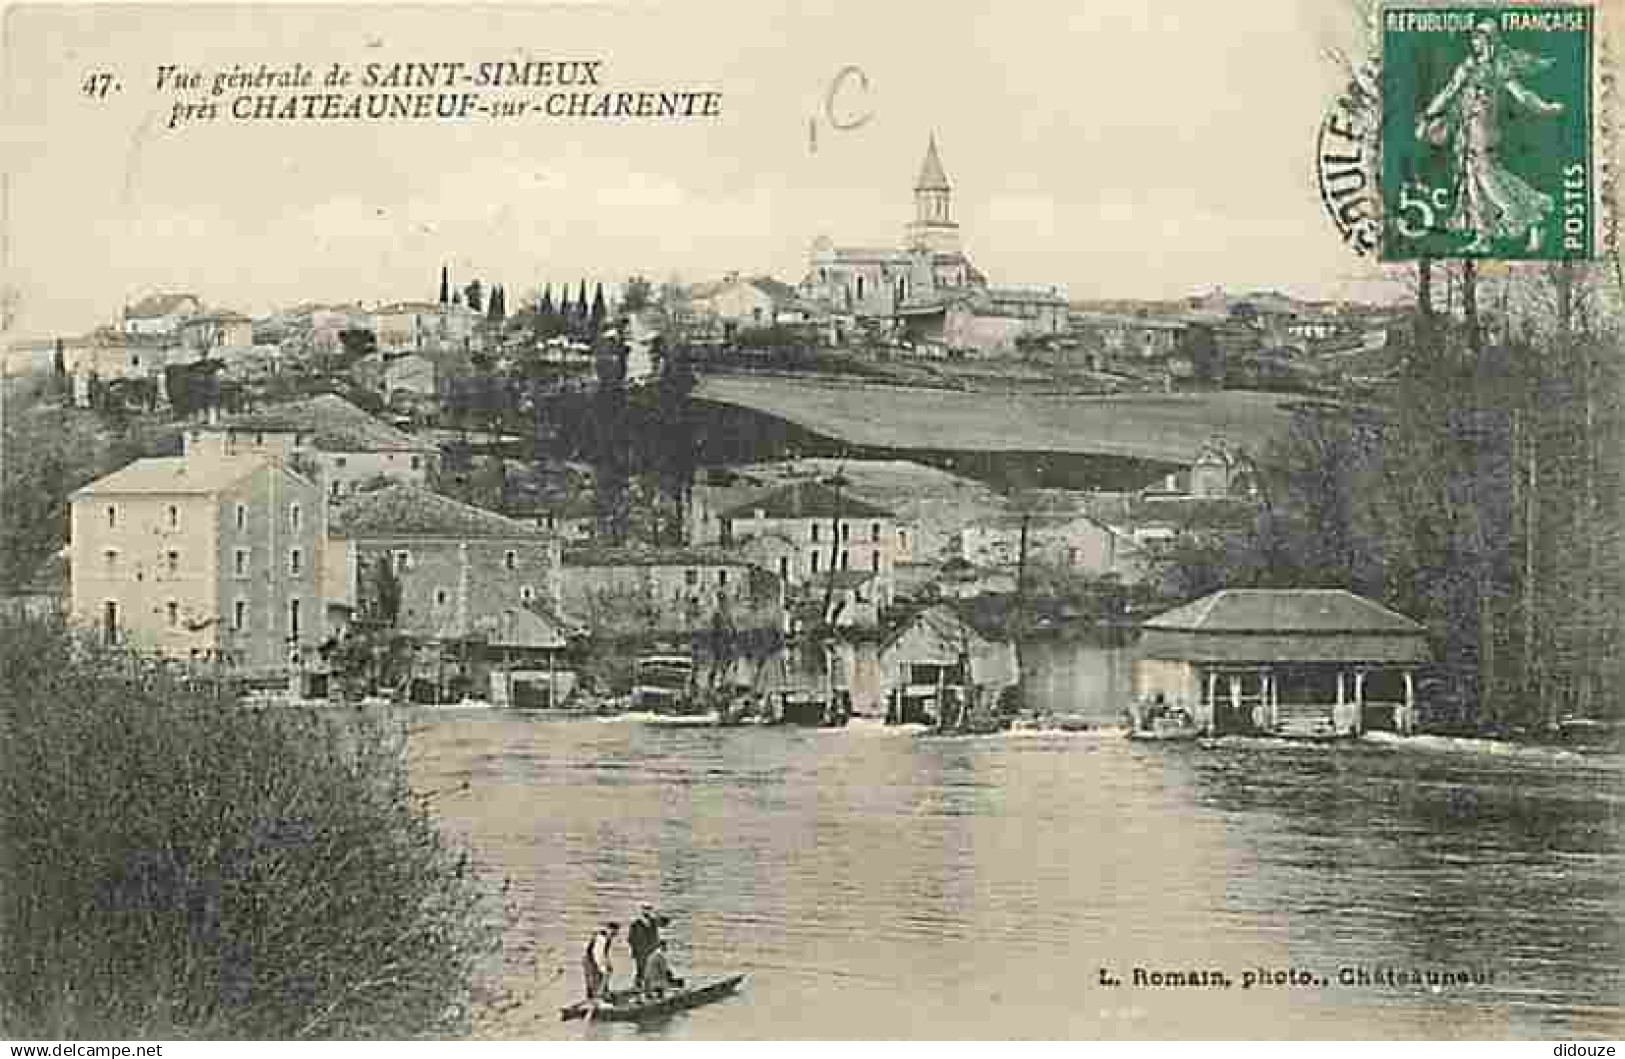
[702, 521]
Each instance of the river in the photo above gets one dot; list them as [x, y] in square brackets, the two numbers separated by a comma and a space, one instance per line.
[877, 882]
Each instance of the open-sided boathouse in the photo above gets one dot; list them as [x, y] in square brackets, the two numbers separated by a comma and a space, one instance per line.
[1306, 662]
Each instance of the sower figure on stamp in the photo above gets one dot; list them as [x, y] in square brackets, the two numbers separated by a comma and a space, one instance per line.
[1491, 202]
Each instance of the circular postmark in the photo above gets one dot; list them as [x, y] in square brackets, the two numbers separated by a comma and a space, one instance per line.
[1346, 169]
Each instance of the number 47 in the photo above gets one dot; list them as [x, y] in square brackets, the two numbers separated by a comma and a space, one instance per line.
[1425, 203]
[96, 86]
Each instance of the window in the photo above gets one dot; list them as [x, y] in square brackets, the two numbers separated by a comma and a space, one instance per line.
[403, 561]
[340, 461]
[295, 610]
[296, 561]
[526, 593]
[335, 489]
[784, 568]
[174, 517]
[846, 532]
[110, 621]
[874, 561]
[173, 562]
[722, 579]
[417, 462]
[242, 517]
[239, 563]
[902, 540]
[844, 560]
[259, 437]
[815, 562]
[815, 533]
[239, 616]
[112, 516]
[111, 555]
[691, 577]
[172, 613]
[874, 532]
[510, 559]
[441, 597]
[295, 516]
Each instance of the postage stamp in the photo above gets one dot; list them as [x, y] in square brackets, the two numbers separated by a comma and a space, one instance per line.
[1487, 138]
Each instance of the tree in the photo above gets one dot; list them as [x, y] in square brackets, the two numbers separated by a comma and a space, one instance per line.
[445, 285]
[544, 308]
[636, 295]
[497, 310]
[474, 295]
[595, 316]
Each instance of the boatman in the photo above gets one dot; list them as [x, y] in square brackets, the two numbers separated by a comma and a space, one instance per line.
[657, 976]
[643, 935]
[596, 967]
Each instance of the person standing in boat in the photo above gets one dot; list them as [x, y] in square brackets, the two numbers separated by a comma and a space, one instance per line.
[643, 936]
[657, 976]
[596, 966]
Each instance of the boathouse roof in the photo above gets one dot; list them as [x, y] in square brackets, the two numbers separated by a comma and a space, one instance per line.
[1284, 625]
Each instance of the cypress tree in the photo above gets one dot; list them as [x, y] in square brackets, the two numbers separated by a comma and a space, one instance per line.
[445, 285]
[599, 310]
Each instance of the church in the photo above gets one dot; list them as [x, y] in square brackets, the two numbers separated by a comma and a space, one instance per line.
[926, 286]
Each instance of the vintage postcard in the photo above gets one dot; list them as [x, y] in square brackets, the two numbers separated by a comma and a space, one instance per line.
[611, 520]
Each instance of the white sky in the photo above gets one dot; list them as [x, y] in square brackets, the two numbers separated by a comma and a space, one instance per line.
[1113, 147]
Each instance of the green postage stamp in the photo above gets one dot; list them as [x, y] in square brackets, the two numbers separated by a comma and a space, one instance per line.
[1487, 132]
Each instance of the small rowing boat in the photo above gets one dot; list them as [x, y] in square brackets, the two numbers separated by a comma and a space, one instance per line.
[633, 1006]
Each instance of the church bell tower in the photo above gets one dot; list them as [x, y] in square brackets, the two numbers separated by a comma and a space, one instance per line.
[933, 227]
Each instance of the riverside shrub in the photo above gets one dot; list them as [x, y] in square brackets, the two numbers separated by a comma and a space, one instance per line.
[178, 866]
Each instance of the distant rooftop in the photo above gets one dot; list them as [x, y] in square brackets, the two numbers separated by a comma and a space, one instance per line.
[603, 555]
[156, 305]
[806, 500]
[400, 510]
[333, 424]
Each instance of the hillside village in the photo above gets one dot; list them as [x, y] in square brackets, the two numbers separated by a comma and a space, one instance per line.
[472, 497]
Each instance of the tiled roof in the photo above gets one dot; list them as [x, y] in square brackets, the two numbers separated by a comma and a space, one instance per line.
[334, 425]
[168, 475]
[806, 500]
[1284, 610]
[154, 305]
[411, 307]
[401, 511]
[599, 555]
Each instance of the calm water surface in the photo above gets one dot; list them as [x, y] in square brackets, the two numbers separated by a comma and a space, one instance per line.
[875, 882]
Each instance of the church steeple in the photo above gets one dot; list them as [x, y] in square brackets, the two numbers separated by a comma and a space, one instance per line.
[932, 178]
[933, 228]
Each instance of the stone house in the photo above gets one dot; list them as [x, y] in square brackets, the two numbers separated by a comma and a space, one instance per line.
[203, 559]
[160, 314]
[817, 529]
[1073, 542]
[479, 592]
[642, 593]
[343, 445]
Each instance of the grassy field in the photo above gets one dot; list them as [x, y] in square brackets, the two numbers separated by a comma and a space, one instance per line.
[1168, 427]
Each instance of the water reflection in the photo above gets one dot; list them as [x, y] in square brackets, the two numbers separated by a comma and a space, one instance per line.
[876, 883]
